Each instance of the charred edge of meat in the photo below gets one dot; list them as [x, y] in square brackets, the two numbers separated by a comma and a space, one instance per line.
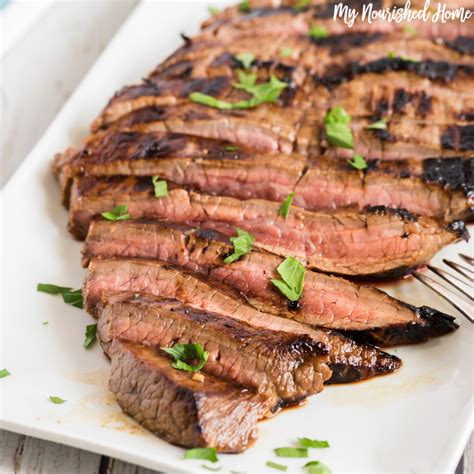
[340, 43]
[433, 70]
[459, 228]
[458, 137]
[453, 173]
[432, 323]
[392, 274]
[404, 214]
[462, 44]
[263, 12]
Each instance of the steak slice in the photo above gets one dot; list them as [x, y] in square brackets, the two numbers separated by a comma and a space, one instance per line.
[174, 405]
[369, 314]
[285, 368]
[371, 244]
[349, 360]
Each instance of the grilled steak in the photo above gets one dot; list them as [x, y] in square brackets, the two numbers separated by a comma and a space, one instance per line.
[284, 367]
[179, 408]
[372, 244]
[367, 313]
[348, 360]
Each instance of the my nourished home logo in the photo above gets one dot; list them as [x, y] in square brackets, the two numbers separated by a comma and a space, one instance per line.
[436, 12]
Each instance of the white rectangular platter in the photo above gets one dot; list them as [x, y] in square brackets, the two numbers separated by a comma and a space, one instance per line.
[417, 420]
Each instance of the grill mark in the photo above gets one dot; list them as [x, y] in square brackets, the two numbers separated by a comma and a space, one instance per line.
[400, 99]
[458, 138]
[462, 44]
[425, 105]
[341, 43]
[467, 116]
[404, 214]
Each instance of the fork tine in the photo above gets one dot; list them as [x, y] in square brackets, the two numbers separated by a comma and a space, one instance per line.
[467, 259]
[460, 304]
[453, 280]
[460, 269]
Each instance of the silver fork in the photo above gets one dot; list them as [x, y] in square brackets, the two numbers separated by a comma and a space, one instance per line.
[460, 293]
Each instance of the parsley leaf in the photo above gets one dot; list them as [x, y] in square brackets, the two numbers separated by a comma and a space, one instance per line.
[285, 206]
[4, 373]
[184, 353]
[378, 125]
[312, 443]
[286, 52]
[242, 245]
[391, 55]
[292, 452]
[301, 5]
[337, 128]
[318, 32]
[56, 400]
[208, 454]
[244, 6]
[317, 467]
[231, 148]
[274, 465]
[358, 162]
[246, 59]
[118, 213]
[159, 186]
[70, 296]
[292, 278]
[261, 93]
[91, 335]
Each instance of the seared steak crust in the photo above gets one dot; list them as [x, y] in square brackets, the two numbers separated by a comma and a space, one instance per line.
[327, 301]
[176, 407]
[109, 277]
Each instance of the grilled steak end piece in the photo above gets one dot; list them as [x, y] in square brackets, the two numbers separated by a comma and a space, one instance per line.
[179, 407]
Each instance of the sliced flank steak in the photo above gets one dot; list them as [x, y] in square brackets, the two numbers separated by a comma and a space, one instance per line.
[369, 314]
[180, 407]
[285, 368]
[374, 243]
[349, 361]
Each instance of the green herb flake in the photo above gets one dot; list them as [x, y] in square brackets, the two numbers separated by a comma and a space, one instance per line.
[286, 52]
[358, 162]
[90, 336]
[210, 468]
[410, 30]
[45, 323]
[4, 373]
[242, 245]
[317, 467]
[57, 400]
[184, 354]
[70, 296]
[292, 278]
[312, 443]
[284, 209]
[318, 32]
[118, 213]
[261, 93]
[160, 187]
[274, 465]
[244, 6]
[410, 59]
[301, 5]
[391, 55]
[378, 125]
[246, 59]
[231, 148]
[292, 452]
[338, 131]
[213, 10]
[207, 454]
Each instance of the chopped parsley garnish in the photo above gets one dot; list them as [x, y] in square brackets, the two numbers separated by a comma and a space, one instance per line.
[284, 209]
[318, 32]
[207, 454]
[231, 148]
[338, 131]
[118, 213]
[160, 187]
[410, 30]
[261, 93]
[392, 55]
[56, 400]
[274, 465]
[70, 296]
[213, 10]
[4, 373]
[45, 323]
[378, 125]
[312, 443]
[301, 5]
[317, 467]
[292, 278]
[242, 245]
[90, 336]
[246, 59]
[184, 354]
[286, 52]
[292, 452]
[358, 162]
[244, 6]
